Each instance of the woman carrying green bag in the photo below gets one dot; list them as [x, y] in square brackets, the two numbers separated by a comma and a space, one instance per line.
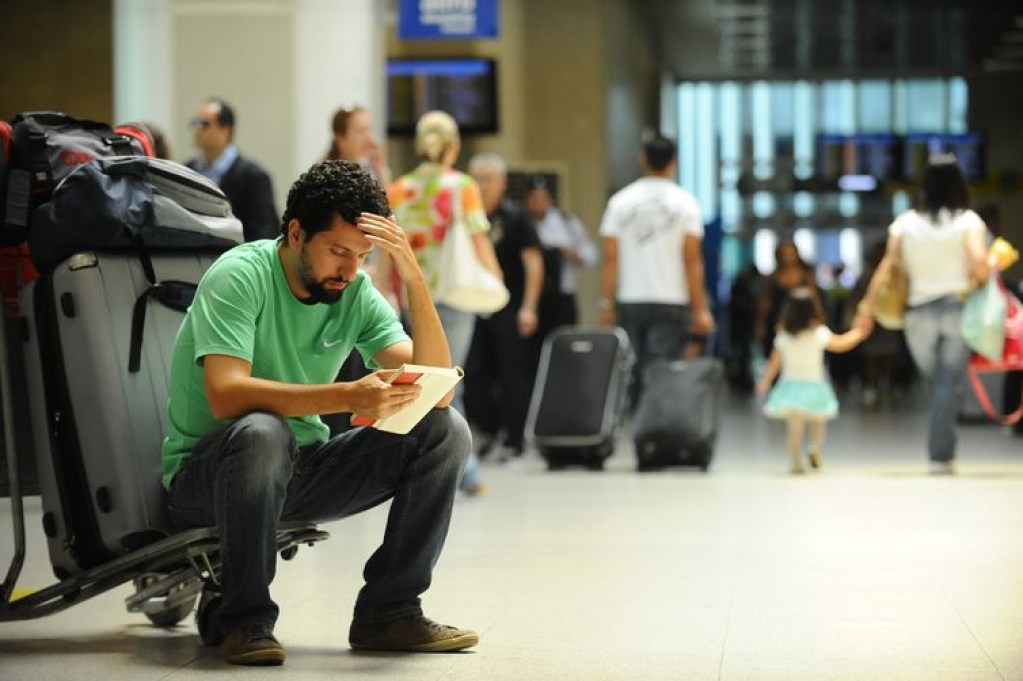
[940, 243]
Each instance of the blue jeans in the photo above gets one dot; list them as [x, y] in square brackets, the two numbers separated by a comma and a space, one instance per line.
[656, 331]
[247, 476]
[459, 327]
[941, 354]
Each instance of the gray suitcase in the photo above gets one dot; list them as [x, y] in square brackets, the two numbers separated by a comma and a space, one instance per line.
[98, 426]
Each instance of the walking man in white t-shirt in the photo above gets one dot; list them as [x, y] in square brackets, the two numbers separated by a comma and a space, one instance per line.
[652, 281]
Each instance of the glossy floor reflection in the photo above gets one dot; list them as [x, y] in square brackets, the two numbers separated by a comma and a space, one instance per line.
[871, 569]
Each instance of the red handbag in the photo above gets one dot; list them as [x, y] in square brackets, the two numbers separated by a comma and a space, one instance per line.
[1011, 360]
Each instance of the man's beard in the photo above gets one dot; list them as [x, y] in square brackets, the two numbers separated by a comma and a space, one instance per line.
[318, 292]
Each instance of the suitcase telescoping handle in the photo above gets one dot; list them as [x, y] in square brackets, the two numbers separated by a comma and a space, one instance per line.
[17, 508]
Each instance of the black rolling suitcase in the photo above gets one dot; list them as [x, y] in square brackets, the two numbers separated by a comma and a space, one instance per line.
[676, 420]
[99, 422]
[580, 393]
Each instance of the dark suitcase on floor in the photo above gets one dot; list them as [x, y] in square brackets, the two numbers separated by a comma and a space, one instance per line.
[581, 388]
[98, 426]
[676, 420]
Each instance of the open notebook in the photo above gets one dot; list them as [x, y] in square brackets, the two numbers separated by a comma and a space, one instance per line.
[435, 381]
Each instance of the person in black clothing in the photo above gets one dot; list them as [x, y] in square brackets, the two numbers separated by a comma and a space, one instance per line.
[246, 184]
[742, 311]
[789, 274]
[505, 347]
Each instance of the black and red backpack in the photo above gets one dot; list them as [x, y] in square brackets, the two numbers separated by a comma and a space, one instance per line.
[38, 149]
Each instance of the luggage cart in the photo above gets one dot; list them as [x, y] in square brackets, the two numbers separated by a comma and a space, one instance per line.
[169, 574]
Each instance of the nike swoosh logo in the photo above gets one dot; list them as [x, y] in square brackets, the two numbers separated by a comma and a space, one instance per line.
[330, 344]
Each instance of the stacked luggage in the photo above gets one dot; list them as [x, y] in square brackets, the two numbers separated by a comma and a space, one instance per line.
[120, 242]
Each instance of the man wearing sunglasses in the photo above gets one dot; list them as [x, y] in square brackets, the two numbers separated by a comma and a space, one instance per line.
[246, 184]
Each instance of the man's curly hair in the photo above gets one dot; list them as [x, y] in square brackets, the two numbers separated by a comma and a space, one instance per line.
[331, 188]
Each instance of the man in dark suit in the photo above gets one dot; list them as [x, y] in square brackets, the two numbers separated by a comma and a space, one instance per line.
[245, 183]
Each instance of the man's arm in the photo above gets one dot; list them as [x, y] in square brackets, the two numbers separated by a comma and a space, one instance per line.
[608, 282]
[232, 391]
[703, 321]
[429, 342]
[532, 261]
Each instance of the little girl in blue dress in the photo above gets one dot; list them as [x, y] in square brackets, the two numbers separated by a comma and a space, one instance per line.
[803, 397]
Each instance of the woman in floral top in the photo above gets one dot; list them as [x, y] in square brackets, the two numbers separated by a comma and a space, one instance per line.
[426, 202]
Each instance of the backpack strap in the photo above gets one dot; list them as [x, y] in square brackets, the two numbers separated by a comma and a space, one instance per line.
[177, 295]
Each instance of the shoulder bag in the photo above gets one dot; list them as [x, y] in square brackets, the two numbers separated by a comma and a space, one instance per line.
[462, 280]
[993, 297]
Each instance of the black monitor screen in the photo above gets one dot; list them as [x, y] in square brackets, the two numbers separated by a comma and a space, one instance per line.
[969, 149]
[465, 88]
[876, 155]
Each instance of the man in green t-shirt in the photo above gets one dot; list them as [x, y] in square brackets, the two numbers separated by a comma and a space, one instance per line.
[253, 367]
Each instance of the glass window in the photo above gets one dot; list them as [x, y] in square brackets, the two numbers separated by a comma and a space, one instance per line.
[763, 132]
[806, 244]
[764, 243]
[875, 106]
[804, 125]
[926, 105]
[958, 104]
[838, 107]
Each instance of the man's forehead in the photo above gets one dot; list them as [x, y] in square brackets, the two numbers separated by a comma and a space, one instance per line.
[344, 233]
[209, 110]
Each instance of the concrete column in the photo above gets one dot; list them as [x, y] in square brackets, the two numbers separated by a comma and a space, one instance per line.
[284, 65]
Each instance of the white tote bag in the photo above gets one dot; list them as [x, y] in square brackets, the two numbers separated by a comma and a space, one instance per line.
[462, 280]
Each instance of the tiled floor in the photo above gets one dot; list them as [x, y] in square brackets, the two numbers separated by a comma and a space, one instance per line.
[869, 570]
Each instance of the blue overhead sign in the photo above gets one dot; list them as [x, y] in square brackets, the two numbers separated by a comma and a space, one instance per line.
[447, 19]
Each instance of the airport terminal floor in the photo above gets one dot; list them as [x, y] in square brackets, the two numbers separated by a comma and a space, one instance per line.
[869, 569]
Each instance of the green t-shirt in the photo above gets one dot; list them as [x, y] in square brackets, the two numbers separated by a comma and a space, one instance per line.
[244, 308]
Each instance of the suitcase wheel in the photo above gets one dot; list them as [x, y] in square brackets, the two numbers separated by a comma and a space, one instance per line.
[180, 601]
[555, 464]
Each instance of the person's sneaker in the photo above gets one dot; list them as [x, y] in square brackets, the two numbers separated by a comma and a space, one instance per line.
[483, 444]
[509, 455]
[476, 489]
[797, 468]
[943, 468]
[413, 634]
[252, 643]
[815, 459]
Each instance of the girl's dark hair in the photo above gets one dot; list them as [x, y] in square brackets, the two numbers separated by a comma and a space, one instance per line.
[943, 187]
[800, 311]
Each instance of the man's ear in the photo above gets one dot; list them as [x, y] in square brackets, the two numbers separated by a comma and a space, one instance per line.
[295, 233]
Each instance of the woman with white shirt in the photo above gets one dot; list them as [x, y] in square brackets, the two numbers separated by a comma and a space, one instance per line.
[941, 246]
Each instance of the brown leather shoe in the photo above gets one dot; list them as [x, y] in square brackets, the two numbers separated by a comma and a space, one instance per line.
[252, 643]
[413, 634]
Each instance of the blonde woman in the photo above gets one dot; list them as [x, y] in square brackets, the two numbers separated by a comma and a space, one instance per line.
[427, 202]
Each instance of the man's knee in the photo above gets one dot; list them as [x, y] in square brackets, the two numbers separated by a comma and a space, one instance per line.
[449, 429]
[266, 441]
